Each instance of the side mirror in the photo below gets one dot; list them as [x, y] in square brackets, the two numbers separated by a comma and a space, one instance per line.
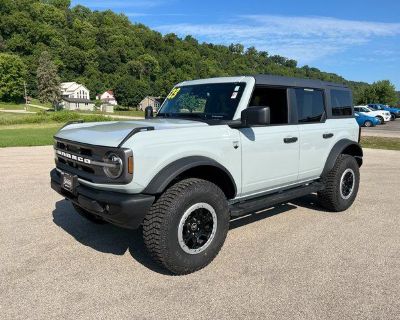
[256, 116]
[148, 112]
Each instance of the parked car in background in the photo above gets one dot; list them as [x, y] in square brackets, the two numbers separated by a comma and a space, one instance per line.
[366, 121]
[394, 112]
[379, 114]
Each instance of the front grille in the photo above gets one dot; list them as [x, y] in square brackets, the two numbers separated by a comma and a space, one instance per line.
[74, 148]
[83, 160]
[77, 150]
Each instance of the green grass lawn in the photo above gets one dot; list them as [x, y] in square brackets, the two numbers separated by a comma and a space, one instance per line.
[380, 143]
[21, 106]
[133, 113]
[23, 135]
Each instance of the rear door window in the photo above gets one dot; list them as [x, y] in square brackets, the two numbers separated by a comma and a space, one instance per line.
[310, 105]
[341, 103]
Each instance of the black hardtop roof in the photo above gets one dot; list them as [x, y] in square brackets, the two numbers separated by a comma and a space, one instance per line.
[268, 79]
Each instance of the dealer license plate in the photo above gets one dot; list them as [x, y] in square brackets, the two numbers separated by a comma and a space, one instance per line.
[68, 182]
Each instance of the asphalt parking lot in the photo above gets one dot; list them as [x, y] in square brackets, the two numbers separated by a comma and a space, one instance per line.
[389, 129]
[294, 261]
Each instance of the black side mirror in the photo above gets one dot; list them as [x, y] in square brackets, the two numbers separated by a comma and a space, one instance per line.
[256, 116]
[148, 112]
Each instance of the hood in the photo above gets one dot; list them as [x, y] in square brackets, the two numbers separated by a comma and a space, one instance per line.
[111, 133]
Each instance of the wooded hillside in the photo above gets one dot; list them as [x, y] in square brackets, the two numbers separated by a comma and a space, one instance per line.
[105, 50]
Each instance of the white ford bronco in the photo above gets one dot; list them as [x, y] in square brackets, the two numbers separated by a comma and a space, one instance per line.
[217, 149]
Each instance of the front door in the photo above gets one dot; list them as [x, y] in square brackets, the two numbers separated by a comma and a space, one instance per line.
[270, 154]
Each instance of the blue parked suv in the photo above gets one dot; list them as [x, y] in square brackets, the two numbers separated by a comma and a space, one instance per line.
[394, 112]
[366, 121]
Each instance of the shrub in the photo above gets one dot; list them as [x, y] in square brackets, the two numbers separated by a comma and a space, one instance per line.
[58, 117]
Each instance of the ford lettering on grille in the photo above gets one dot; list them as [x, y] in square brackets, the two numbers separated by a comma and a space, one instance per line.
[73, 157]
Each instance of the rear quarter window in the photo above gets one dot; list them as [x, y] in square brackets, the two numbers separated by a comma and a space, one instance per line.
[341, 103]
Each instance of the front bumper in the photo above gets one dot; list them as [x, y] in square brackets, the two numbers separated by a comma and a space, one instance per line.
[124, 210]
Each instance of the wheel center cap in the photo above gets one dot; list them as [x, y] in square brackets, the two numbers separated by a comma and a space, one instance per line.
[193, 226]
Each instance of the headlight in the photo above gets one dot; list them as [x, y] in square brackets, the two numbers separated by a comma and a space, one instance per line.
[115, 165]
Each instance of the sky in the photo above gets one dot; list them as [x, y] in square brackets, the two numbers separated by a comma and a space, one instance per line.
[359, 40]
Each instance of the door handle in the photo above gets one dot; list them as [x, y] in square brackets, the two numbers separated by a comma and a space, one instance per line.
[327, 135]
[290, 140]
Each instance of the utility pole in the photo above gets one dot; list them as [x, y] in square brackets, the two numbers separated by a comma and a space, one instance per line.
[26, 97]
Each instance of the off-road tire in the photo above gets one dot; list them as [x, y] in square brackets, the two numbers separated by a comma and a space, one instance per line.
[89, 216]
[160, 226]
[330, 197]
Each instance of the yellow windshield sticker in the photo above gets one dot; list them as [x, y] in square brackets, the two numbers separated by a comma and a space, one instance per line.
[173, 93]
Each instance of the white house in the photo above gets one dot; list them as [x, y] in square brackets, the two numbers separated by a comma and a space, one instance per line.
[74, 90]
[75, 96]
[107, 97]
[77, 104]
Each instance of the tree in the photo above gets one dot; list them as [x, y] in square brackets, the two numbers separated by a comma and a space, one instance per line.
[2, 43]
[12, 77]
[150, 65]
[48, 81]
[130, 91]
[100, 48]
[380, 92]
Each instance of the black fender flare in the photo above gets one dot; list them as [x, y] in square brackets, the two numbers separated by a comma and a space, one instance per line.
[166, 175]
[344, 146]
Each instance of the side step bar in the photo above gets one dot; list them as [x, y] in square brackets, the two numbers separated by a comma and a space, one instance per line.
[242, 208]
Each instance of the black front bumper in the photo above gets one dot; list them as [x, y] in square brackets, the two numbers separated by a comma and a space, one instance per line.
[124, 210]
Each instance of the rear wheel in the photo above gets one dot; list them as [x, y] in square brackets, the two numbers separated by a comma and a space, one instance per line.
[89, 216]
[368, 123]
[187, 226]
[341, 184]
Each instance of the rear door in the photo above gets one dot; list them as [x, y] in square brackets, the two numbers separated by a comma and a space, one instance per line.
[315, 134]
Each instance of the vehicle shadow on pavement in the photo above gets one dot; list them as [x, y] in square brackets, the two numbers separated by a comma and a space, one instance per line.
[104, 238]
[110, 239]
[309, 201]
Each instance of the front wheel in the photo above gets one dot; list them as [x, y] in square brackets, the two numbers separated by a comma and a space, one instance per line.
[187, 226]
[341, 184]
[368, 123]
[380, 119]
[392, 117]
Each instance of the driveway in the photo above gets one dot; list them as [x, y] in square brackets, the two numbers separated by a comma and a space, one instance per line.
[294, 261]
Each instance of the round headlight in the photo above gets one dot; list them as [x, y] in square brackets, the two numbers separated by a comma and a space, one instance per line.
[114, 166]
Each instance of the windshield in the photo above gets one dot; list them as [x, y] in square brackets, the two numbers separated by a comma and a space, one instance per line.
[204, 101]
